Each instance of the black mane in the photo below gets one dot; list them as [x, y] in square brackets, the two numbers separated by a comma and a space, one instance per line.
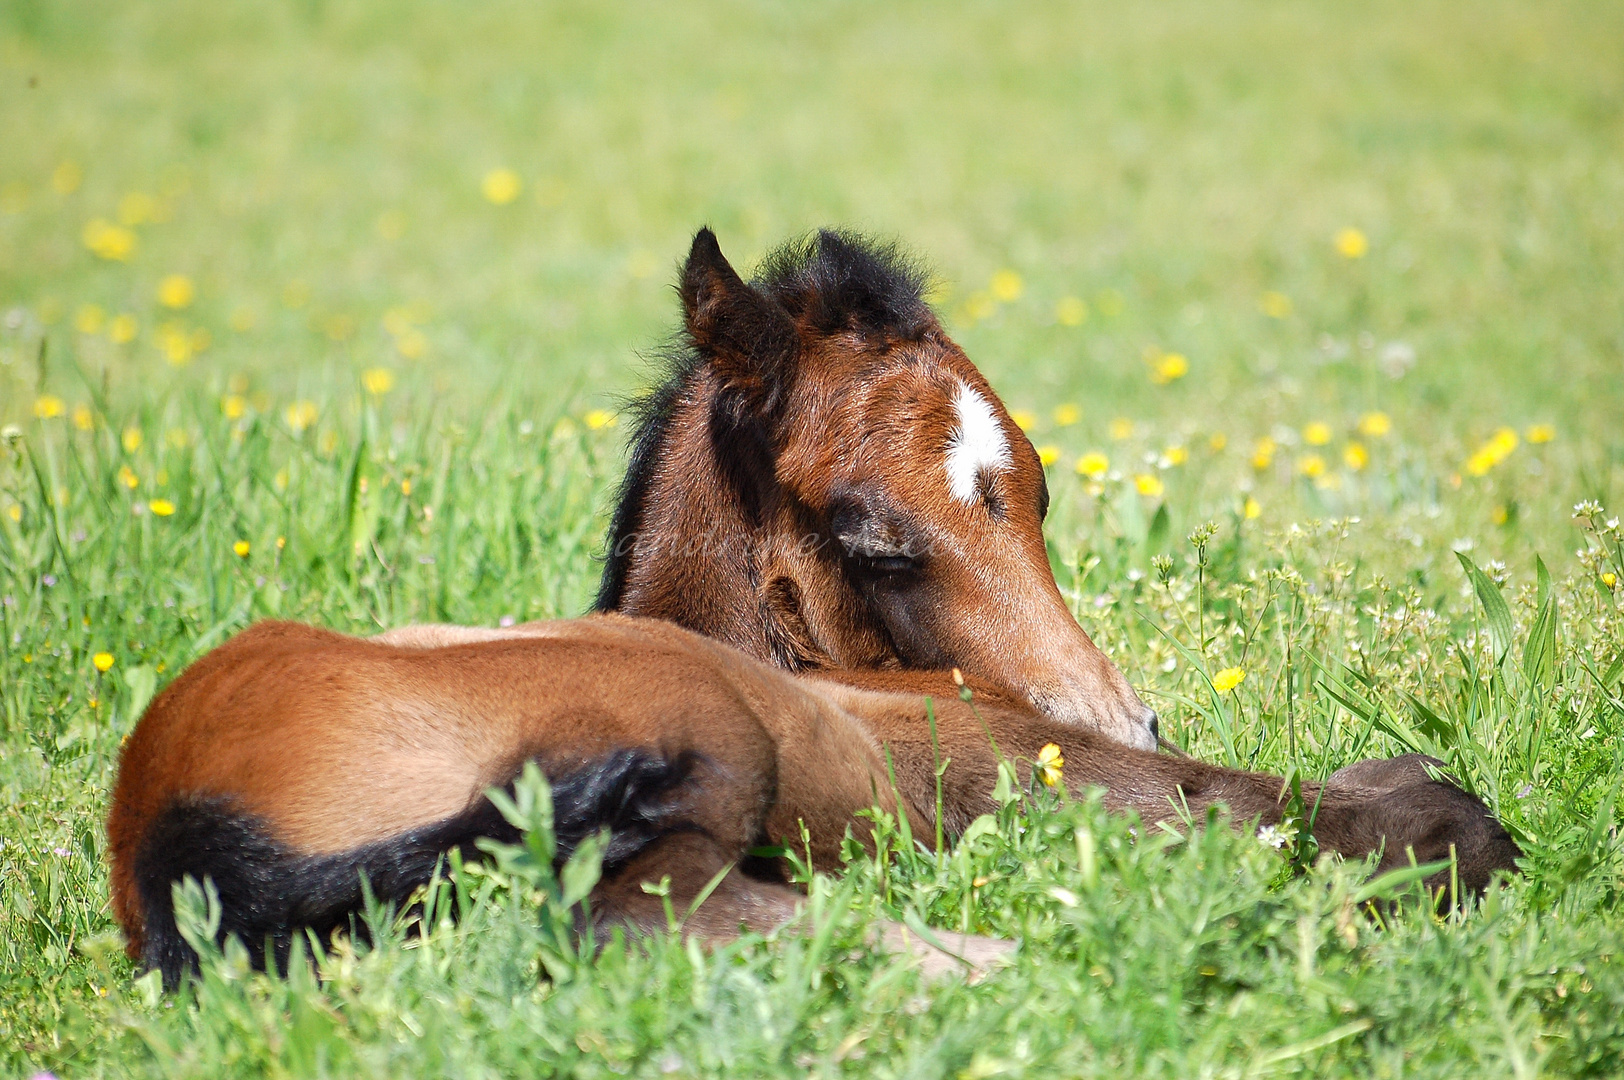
[831, 281]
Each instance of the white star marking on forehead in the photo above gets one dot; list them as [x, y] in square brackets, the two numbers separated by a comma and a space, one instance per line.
[978, 445]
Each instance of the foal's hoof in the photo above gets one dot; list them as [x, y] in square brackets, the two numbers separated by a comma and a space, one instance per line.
[967, 955]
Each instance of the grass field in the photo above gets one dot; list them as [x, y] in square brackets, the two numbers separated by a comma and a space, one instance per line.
[324, 309]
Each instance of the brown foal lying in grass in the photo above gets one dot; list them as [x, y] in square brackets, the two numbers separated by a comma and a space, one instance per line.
[291, 760]
[825, 486]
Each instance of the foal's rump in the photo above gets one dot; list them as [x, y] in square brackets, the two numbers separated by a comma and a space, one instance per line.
[290, 762]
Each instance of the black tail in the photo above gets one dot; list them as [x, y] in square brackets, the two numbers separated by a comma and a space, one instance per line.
[269, 894]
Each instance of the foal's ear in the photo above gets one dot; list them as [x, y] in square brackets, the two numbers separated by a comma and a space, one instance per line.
[748, 338]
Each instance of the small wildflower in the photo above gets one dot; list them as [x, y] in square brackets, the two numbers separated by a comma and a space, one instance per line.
[1050, 765]
[1540, 433]
[378, 380]
[1609, 579]
[1351, 243]
[1067, 414]
[1273, 836]
[1120, 428]
[108, 241]
[241, 549]
[234, 406]
[1024, 419]
[102, 660]
[137, 208]
[83, 418]
[598, 419]
[1373, 425]
[1263, 453]
[1227, 679]
[1217, 441]
[1007, 286]
[1498, 447]
[1071, 311]
[1048, 455]
[1312, 466]
[1317, 433]
[161, 507]
[48, 406]
[1093, 464]
[176, 291]
[1251, 509]
[122, 330]
[1275, 305]
[1148, 484]
[300, 415]
[1168, 368]
[1173, 456]
[127, 477]
[281, 542]
[406, 486]
[501, 186]
[1355, 456]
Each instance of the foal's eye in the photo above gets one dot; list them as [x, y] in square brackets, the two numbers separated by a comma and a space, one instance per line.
[887, 564]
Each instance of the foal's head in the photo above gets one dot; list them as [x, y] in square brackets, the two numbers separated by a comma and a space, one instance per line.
[827, 481]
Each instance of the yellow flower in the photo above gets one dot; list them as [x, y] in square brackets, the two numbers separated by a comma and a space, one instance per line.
[1312, 466]
[1355, 456]
[48, 406]
[1609, 579]
[1120, 428]
[1493, 452]
[127, 477]
[412, 343]
[597, 419]
[1071, 311]
[161, 507]
[1169, 367]
[67, 177]
[281, 542]
[501, 186]
[233, 405]
[378, 380]
[979, 305]
[1067, 414]
[1227, 679]
[1175, 455]
[1251, 509]
[1540, 433]
[176, 291]
[1148, 484]
[89, 319]
[122, 330]
[108, 241]
[1024, 420]
[83, 418]
[406, 486]
[14, 512]
[1093, 465]
[1050, 765]
[102, 660]
[1263, 453]
[130, 439]
[1275, 305]
[1317, 433]
[1351, 243]
[1048, 455]
[1373, 425]
[1006, 285]
[241, 549]
[1217, 441]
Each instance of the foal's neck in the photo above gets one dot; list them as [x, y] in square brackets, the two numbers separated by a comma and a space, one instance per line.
[691, 543]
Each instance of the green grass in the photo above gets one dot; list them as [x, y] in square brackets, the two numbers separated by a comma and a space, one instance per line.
[317, 168]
